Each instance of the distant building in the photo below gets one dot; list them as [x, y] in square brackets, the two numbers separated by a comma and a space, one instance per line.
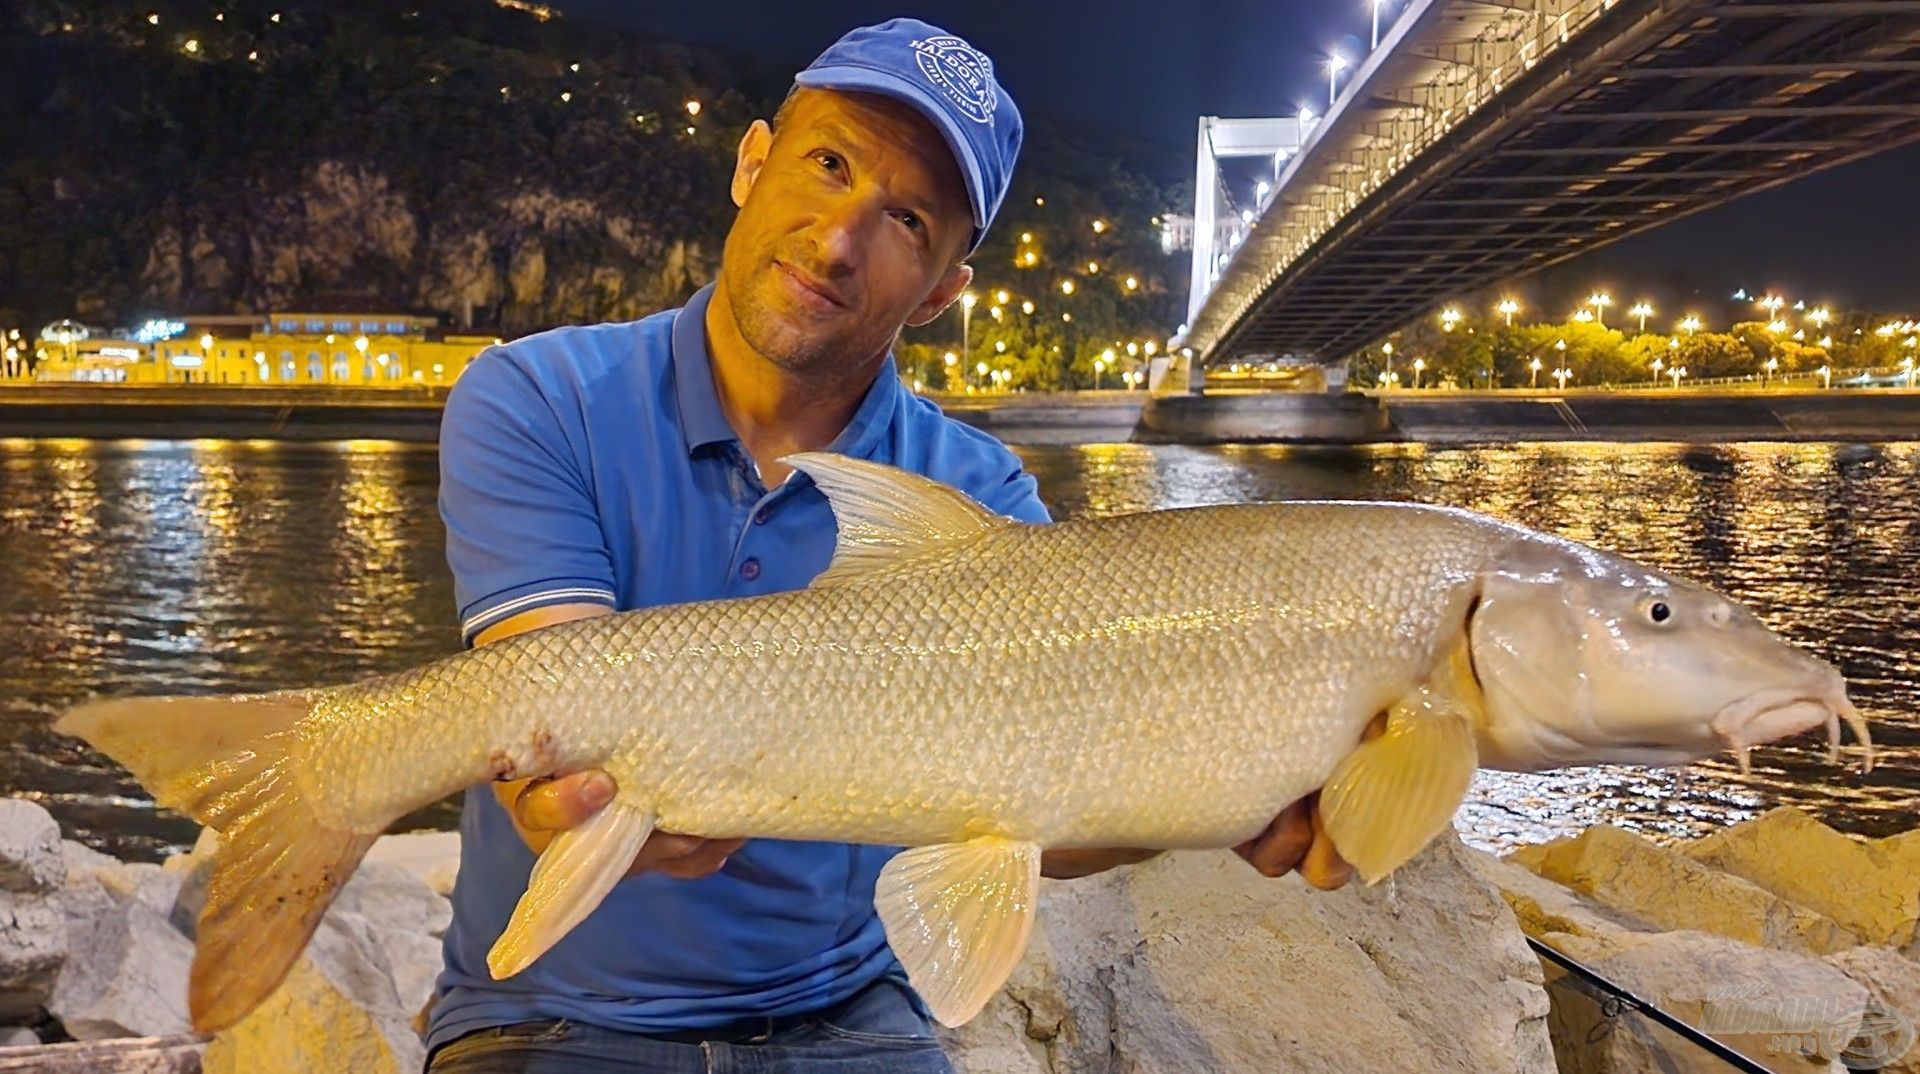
[334, 343]
[1176, 232]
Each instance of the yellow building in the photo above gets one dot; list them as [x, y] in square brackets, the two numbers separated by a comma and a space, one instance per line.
[296, 347]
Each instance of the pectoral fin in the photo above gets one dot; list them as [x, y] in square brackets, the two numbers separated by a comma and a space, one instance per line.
[573, 874]
[1389, 797]
[958, 916]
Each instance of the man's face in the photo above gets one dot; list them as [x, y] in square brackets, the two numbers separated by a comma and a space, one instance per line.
[852, 221]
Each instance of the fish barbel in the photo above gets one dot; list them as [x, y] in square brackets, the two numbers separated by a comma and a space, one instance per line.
[976, 690]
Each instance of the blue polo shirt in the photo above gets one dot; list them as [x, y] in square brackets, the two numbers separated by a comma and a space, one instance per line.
[595, 464]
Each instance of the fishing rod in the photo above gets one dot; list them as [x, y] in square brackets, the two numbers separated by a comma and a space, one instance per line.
[1630, 1001]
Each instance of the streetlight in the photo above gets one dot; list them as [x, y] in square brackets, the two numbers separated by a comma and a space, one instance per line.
[1534, 368]
[1819, 315]
[1676, 373]
[1336, 63]
[1826, 376]
[1583, 315]
[1387, 349]
[1771, 365]
[1906, 366]
[1690, 325]
[1507, 306]
[1771, 304]
[1642, 310]
[967, 301]
[1419, 367]
[1600, 300]
[1376, 23]
[1658, 365]
[952, 360]
[1562, 374]
[1449, 317]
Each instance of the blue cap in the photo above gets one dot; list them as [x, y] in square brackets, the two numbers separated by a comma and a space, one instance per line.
[950, 82]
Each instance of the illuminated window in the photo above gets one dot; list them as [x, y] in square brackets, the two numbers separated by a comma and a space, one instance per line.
[313, 367]
[396, 327]
[316, 326]
[343, 326]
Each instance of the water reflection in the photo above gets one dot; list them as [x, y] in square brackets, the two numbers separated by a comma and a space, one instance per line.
[148, 567]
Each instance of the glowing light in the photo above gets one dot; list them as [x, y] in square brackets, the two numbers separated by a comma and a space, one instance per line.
[968, 300]
[1027, 308]
[1507, 307]
[1001, 296]
[952, 359]
[1133, 283]
[1066, 287]
[192, 46]
[693, 108]
[1099, 227]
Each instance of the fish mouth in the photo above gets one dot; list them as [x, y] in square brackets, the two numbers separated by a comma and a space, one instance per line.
[1773, 714]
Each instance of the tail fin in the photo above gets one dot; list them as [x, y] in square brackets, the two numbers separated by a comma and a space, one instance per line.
[225, 762]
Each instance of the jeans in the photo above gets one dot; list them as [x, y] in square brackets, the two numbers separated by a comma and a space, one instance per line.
[880, 1030]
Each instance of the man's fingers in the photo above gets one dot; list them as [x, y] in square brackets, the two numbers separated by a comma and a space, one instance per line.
[1278, 849]
[1322, 866]
[703, 860]
[558, 803]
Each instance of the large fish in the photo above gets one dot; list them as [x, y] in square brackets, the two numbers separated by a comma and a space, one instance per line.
[978, 689]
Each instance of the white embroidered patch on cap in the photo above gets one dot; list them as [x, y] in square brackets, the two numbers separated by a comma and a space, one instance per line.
[962, 73]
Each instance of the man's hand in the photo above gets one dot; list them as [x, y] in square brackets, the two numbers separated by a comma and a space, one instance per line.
[1297, 838]
[542, 808]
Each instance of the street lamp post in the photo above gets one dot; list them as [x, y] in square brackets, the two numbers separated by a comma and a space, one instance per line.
[1676, 373]
[1658, 365]
[967, 302]
[1376, 24]
[1449, 319]
[1419, 367]
[1534, 368]
[1771, 365]
[1387, 349]
[1336, 63]
[1642, 310]
[1508, 307]
[1600, 300]
[1690, 325]
[1563, 374]
[1826, 376]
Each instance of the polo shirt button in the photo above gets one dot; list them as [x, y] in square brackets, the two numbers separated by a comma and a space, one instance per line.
[760, 517]
[751, 568]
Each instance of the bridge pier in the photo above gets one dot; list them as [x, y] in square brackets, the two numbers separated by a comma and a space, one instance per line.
[1274, 416]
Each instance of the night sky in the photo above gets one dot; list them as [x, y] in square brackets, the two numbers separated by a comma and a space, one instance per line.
[1150, 69]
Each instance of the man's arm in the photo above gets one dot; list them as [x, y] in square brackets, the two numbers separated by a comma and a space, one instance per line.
[543, 808]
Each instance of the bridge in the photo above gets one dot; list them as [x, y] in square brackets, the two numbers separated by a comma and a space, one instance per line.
[1485, 139]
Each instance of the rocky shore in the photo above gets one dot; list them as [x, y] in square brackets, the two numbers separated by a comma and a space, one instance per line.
[1788, 941]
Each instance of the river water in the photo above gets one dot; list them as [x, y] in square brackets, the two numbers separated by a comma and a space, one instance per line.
[214, 566]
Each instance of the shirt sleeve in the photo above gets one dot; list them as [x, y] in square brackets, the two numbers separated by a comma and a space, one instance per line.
[1017, 495]
[522, 528]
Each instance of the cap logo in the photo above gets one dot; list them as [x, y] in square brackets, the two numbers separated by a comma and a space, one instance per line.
[961, 73]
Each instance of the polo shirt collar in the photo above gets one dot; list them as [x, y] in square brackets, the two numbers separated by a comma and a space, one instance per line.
[702, 422]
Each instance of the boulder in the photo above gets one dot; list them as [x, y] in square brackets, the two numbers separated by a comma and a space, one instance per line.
[432, 856]
[1670, 891]
[18, 1037]
[30, 857]
[394, 899]
[1887, 1037]
[194, 868]
[1791, 1013]
[1193, 961]
[337, 1010]
[1870, 887]
[33, 942]
[125, 974]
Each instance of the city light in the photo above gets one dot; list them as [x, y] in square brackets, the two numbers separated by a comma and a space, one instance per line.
[1133, 283]
[1583, 315]
[1419, 367]
[1449, 317]
[1819, 315]
[1690, 324]
[1306, 114]
[1066, 287]
[1001, 296]
[1027, 308]
[1533, 367]
[1093, 268]
[1336, 63]
[1643, 310]
[1600, 300]
[693, 108]
[1508, 307]
[1099, 227]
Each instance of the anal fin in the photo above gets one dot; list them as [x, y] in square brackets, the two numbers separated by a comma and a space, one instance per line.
[1388, 798]
[958, 916]
[573, 875]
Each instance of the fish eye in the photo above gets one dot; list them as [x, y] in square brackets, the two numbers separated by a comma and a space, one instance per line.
[1659, 612]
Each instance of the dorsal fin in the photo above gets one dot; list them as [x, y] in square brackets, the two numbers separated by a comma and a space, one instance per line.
[888, 516]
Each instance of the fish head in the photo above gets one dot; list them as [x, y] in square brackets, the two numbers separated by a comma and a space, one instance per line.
[1588, 658]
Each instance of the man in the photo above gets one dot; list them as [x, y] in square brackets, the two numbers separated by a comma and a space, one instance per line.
[627, 465]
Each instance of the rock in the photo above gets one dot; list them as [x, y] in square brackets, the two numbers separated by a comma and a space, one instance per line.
[1789, 1012]
[30, 858]
[194, 868]
[1543, 907]
[1671, 891]
[432, 856]
[18, 1037]
[82, 859]
[414, 960]
[126, 970]
[1194, 962]
[394, 899]
[1887, 1039]
[1871, 888]
[336, 1011]
[126, 1055]
[33, 942]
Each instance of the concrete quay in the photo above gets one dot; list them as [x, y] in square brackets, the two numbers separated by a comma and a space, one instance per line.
[413, 415]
